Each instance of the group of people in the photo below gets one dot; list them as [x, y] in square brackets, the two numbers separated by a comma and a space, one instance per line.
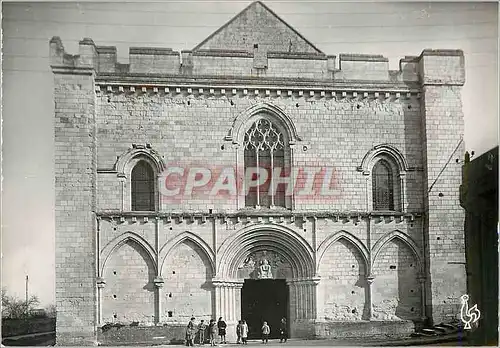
[242, 331]
[213, 329]
[219, 328]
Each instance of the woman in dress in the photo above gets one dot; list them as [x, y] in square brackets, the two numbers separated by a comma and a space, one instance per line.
[244, 332]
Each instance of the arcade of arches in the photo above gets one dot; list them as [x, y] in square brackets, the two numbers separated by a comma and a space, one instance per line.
[260, 272]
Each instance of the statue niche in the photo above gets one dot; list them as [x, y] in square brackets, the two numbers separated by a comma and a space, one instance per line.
[264, 265]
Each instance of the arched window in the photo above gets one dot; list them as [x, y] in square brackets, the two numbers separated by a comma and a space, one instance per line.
[383, 186]
[385, 167]
[143, 187]
[265, 149]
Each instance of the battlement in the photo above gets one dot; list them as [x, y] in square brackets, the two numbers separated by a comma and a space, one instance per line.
[431, 67]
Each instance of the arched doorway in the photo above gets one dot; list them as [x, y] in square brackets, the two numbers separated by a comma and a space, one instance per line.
[265, 272]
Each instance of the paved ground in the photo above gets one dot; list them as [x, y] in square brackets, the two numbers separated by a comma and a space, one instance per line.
[348, 342]
[450, 340]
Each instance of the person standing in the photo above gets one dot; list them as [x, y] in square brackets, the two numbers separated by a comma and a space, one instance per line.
[265, 332]
[238, 332]
[283, 331]
[244, 332]
[202, 327]
[221, 324]
[190, 333]
[212, 331]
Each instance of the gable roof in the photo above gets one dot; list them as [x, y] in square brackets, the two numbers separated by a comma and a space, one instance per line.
[257, 24]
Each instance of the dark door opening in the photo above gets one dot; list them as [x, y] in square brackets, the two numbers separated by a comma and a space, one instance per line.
[264, 300]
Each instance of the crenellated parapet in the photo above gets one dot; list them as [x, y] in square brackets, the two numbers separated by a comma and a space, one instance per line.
[431, 67]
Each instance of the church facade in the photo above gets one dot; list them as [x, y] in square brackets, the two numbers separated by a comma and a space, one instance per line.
[255, 177]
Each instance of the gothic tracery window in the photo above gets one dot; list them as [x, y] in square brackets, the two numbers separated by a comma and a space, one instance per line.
[143, 187]
[264, 146]
[383, 186]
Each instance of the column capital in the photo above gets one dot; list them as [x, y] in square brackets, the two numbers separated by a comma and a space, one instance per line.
[370, 278]
[304, 281]
[158, 282]
[315, 280]
[100, 282]
[223, 283]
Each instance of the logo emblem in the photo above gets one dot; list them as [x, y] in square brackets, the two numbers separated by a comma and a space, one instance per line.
[468, 315]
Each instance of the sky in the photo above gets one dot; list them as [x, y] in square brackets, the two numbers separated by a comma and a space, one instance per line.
[392, 29]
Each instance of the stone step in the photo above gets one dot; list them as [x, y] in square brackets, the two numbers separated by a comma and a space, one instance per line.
[444, 329]
[417, 334]
[423, 334]
[449, 326]
[429, 331]
[440, 329]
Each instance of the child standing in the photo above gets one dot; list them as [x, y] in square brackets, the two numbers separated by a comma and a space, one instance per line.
[212, 329]
[244, 332]
[238, 332]
[201, 331]
[265, 332]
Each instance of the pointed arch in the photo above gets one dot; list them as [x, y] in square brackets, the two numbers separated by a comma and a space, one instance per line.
[122, 165]
[117, 242]
[380, 151]
[237, 130]
[405, 239]
[170, 245]
[348, 237]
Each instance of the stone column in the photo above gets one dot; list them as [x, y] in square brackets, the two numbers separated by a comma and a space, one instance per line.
[369, 282]
[421, 280]
[100, 286]
[314, 284]
[123, 197]
[303, 306]
[159, 285]
[237, 300]
[301, 302]
[226, 292]
[367, 190]
[292, 299]
[227, 300]
[402, 185]
[218, 309]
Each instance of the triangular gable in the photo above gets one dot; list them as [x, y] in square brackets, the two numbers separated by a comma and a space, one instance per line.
[257, 25]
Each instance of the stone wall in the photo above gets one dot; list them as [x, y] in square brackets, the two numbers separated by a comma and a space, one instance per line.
[75, 171]
[442, 129]
[396, 289]
[343, 283]
[129, 294]
[187, 291]
[189, 131]
[192, 113]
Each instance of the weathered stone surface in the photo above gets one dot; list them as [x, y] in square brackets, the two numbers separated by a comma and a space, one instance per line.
[341, 260]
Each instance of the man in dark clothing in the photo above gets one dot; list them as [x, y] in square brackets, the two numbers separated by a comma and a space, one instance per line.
[283, 331]
[221, 324]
